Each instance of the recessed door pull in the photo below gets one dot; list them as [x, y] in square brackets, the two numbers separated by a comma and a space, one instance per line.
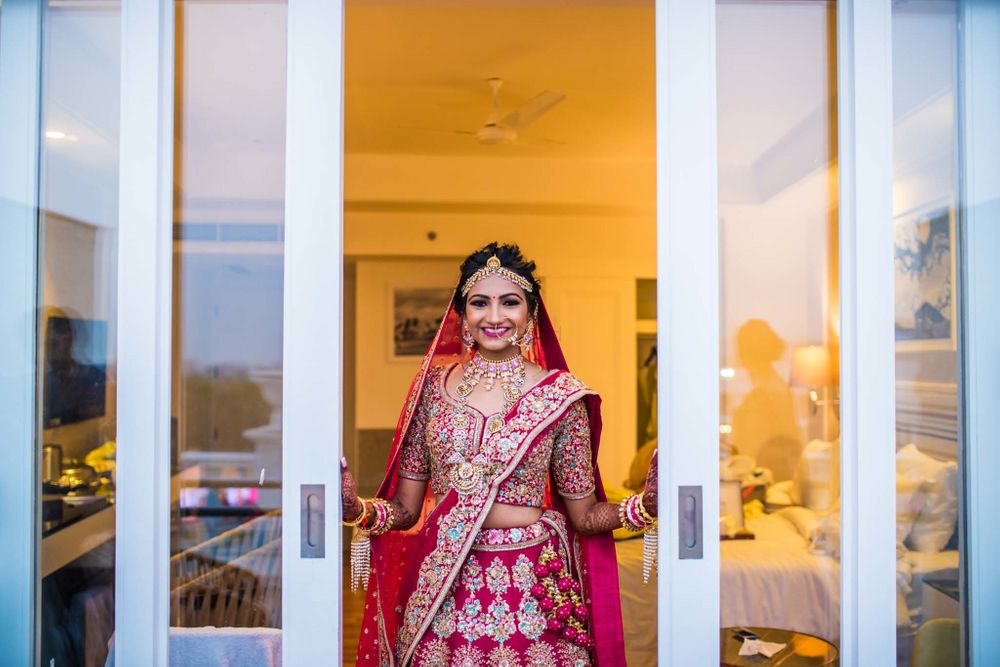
[312, 534]
[689, 510]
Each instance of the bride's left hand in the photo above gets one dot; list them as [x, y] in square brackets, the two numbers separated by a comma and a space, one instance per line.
[649, 493]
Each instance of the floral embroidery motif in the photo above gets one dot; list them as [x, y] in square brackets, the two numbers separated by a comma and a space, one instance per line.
[509, 628]
[504, 656]
[469, 625]
[523, 574]
[497, 577]
[541, 654]
[530, 619]
[435, 654]
[571, 655]
[468, 656]
[472, 575]
[500, 624]
[446, 619]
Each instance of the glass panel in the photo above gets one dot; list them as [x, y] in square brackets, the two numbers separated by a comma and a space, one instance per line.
[78, 223]
[225, 565]
[779, 422]
[926, 217]
[575, 189]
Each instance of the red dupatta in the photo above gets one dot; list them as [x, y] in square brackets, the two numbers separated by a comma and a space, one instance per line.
[397, 556]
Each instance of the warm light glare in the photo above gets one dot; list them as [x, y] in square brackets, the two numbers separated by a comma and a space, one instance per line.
[725, 429]
[728, 372]
[811, 366]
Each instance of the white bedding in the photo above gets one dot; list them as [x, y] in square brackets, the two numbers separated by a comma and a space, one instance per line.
[771, 581]
[774, 581]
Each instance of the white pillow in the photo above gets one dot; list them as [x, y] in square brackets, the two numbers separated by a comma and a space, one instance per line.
[780, 493]
[909, 501]
[805, 520]
[938, 516]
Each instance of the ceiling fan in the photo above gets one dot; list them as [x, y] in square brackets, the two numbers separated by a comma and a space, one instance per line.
[504, 130]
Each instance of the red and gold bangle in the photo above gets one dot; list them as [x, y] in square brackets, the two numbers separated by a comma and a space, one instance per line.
[628, 515]
[384, 513]
[634, 512]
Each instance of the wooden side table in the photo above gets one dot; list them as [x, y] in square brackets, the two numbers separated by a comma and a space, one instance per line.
[802, 650]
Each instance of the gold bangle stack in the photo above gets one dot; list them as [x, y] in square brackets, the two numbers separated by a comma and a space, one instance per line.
[649, 518]
[361, 517]
[633, 515]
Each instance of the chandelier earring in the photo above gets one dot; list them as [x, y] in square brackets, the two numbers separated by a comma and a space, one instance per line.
[514, 340]
[528, 339]
[467, 338]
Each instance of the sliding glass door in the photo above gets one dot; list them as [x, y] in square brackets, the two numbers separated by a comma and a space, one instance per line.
[825, 212]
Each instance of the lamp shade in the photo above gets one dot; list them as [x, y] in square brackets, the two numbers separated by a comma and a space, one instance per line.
[811, 366]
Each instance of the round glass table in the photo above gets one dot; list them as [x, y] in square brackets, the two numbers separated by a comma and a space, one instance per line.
[801, 650]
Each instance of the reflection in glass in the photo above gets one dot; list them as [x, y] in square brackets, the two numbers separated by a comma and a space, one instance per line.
[225, 565]
[779, 424]
[930, 599]
[78, 235]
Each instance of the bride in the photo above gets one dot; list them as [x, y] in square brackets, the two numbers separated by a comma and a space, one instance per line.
[490, 540]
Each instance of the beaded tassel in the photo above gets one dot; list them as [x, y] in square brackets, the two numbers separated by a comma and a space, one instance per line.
[361, 559]
[649, 558]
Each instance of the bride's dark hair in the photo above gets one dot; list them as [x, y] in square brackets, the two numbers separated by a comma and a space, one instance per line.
[510, 258]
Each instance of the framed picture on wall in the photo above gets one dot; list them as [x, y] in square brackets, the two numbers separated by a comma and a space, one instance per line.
[416, 316]
[924, 261]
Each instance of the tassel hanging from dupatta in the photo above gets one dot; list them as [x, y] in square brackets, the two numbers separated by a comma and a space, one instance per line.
[649, 553]
[361, 559]
[382, 516]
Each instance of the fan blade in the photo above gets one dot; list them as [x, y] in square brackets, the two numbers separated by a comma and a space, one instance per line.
[537, 141]
[532, 109]
[435, 129]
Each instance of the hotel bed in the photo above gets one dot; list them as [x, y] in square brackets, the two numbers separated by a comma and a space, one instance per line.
[775, 581]
[771, 581]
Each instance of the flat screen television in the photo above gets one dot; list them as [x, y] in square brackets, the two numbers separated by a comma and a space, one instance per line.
[75, 375]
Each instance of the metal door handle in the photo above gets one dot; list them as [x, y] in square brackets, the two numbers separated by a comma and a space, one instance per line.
[312, 533]
[689, 510]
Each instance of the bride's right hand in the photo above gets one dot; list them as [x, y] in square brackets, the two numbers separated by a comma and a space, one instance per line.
[351, 505]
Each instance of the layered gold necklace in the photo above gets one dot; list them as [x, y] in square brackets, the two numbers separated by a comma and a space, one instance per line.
[510, 373]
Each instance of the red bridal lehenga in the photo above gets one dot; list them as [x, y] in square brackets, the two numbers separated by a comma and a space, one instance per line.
[449, 592]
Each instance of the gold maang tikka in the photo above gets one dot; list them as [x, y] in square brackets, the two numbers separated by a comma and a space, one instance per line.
[494, 267]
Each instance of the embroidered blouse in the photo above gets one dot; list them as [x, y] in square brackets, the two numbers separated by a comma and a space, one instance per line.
[439, 432]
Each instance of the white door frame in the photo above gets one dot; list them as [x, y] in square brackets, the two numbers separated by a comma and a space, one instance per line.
[20, 55]
[688, 334]
[979, 104]
[867, 338]
[145, 239]
[313, 320]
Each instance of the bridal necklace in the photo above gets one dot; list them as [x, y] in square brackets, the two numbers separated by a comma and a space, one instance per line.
[510, 373]
[469, 477]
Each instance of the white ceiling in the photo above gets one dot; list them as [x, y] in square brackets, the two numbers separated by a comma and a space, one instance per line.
[423, 64]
